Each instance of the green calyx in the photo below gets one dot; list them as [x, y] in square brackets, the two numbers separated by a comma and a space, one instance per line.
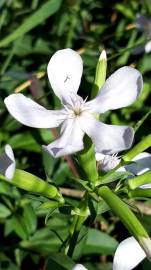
[34, 184]
[139, 180]
[122, 210]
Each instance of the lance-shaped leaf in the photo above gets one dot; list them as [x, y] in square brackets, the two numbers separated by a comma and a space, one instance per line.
[44, 12]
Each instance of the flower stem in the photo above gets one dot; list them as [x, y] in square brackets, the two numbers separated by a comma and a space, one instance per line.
[77, 222]
[87, 161]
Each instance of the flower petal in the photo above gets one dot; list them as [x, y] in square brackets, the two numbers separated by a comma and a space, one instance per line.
[64, 71]
[121, 89]
[79, 267]
[108, 139]
[10, 171]
[32, 114]
[141, 164]
[70, 141]
[148, 47]
[128, 255]
[9, 152]
[99, 156]
[7, 163]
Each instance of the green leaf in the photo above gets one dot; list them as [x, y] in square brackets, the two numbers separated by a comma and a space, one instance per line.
[18, 142]
[6, 263]
[45, 241]
[4, 211]
[112, 176]
[59, 261]
[141, 121]
[99, 243]
[126, 10]
[38, 17]
[19, 227]
[30, 219]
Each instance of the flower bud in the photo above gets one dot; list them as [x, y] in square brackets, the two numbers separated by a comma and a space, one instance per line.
[100, 74]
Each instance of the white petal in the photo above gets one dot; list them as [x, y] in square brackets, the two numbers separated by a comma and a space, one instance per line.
[99, 156]
[108, 139]
[148, 47]
[121, 169]
[145, 186]
[121, 89]
[7, 163]
[64, 71]
[32, 114]
[10, 171]
[9, 152]
[128, 255]
[70, 141]
[79, 267]
[141, 164]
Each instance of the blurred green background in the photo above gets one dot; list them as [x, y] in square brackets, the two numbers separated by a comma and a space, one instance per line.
[30, 32]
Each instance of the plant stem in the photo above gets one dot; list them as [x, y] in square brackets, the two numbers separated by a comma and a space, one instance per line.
[75, 227]
[78, 221]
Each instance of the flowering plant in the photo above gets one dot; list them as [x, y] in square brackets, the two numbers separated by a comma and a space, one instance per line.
[89, 139]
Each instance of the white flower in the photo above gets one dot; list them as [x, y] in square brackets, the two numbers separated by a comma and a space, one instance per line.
[107, 162]
[77, 116]
[141, 163]
[128, 255]
[79, 267]
[7, 163]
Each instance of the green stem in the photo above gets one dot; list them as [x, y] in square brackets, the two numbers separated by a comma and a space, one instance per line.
[75, 227]
[78, 221]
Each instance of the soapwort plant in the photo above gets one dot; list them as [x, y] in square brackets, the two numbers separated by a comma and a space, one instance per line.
[85, 136]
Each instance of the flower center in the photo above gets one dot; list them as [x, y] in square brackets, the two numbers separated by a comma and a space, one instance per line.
[75, 106]
[77, 111]
[109, 162]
